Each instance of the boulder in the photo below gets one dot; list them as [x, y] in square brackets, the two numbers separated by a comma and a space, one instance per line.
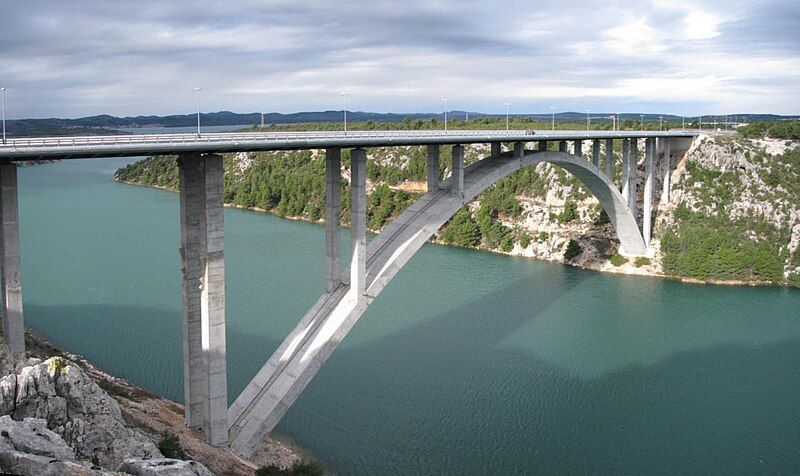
[32, 436]
[26, 464]
[163, 467]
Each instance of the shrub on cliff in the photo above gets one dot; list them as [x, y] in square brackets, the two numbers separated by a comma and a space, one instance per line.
[618, 260]
[299, 468]
[170, 446]
[573, 250]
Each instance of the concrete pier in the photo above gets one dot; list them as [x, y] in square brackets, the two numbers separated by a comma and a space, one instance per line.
[458, 170]
[596, 153]
[562, 146]
[358, 220]
[519, 149]
[666, 176]
[633, 168]
[577, 147]
[10, 266]
[203, 269]
[609, 165]
[433, 167]
[496, 149]
[647, 206]
[626, 157]
[333, 213]
[542, 145]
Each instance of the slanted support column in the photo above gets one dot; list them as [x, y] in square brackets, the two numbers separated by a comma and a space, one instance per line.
[333, 213]
[13, 321]
[203, 269]
[596, 153]
[358, 220]
[626, 157]
[577, 148]
[458, 170]
[633, 162]
[666, 172]
[562, 146]
[433, 167]
[519, 149]
[647, 209]
[609, 165]
[496, 149]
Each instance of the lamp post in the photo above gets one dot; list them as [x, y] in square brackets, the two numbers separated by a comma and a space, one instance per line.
[660, 122]
[508, 106]
[197, 103]
[444, 100]
[641, 116]
[3, 91]
[588, 119]
[262, 120]
[344, 95]
[553, 109]
[683, 123]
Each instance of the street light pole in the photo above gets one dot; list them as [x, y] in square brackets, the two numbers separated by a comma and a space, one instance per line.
[642, 117]
[445, 113]
[3, 90]
[508, 105]
[197, 103]
[588, 119]
[660, 122]
[344, 95]
[553, 109]
[683, 123]
[262, 120]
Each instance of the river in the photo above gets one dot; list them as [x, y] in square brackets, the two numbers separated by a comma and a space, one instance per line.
[468, 363]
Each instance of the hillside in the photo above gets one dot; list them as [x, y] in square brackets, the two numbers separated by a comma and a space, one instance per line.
[732, 215]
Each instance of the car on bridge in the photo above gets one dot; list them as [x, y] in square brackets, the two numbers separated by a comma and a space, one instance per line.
[530, 132]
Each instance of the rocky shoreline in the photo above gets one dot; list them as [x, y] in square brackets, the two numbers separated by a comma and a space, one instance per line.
[60, 414]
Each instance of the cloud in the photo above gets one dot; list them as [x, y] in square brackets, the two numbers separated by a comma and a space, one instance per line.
[87, 57]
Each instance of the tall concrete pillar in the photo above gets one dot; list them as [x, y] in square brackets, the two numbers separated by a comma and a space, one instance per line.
[203, 269]
[596, 153]
[458, 170]
[10, 266]
[666, 173]
[519, 149]
[577, 148]
[633, 167]
[333, 213]
[562, 146]
[433, 167]
[542, 145]
[496, 149]
[647, 206]
[609, 165]
[626, 157]
[358, 220]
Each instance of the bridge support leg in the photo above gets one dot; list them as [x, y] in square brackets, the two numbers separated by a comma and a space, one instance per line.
[358, 220]
[496, 149]
[647, 212]
[433, 167]
[626, 157]
[577, 148]
[519, 149]
[203, 266]
[542, 145]
[333, 213]
[633, 167]
[13, 320]
[666, 172]
[609, 165]
[458, 170]
[562, 146]
[596, 153]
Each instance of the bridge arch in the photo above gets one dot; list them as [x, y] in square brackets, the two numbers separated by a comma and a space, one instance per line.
[258, 409]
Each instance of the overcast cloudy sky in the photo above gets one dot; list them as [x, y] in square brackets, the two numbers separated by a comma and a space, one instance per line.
[76, 58]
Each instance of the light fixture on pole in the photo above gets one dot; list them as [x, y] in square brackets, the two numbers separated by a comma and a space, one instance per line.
[3, 91]
[553, 109]
[197, 103]
[642, 117]
[660, 122]
[508, 106]
[588, 119]
[444, 100]
[344, 95]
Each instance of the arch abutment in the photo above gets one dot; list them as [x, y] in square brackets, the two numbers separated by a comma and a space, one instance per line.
[433, 167]
[203, 270]
[358, 220]
[609, 159]
[10, 263]
[333, 213]
[457, 174]
[666, 172]
[647, 211]
[596, 153]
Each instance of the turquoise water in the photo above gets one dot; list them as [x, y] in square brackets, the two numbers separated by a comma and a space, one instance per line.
[468, 363]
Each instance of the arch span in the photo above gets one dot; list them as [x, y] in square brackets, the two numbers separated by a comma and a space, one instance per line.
[275, 387]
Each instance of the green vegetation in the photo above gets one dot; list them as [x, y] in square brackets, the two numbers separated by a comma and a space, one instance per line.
[777, 130]
[618, 260]
[462, 230]
[524, 240]
[569, 213]
[170, 446]
[641, 261]
[573, 250]
[299, 468]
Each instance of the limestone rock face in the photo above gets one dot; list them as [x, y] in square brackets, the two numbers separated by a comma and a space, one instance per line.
[26, 464]
[32, 436]
[74, 407]
[163, 467]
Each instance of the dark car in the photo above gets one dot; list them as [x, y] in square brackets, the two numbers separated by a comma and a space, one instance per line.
[530, 132]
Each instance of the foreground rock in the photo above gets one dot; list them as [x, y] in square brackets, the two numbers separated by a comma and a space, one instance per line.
[163, 467]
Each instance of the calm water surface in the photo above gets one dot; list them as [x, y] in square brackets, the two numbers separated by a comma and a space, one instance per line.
[468, 363]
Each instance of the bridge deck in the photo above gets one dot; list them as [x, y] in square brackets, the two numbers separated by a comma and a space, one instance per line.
[165, 144]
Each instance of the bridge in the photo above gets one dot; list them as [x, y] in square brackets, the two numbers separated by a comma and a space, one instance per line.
[349, 289]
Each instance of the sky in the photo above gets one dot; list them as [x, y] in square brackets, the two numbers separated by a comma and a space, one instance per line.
[78, 58]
